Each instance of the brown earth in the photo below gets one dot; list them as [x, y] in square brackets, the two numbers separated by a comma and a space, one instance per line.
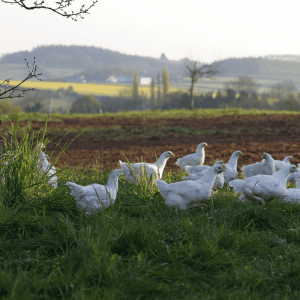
[274, 134]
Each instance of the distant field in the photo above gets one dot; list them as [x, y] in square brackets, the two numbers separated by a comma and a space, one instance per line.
[207, 85]
[202, 86]
[83, 88]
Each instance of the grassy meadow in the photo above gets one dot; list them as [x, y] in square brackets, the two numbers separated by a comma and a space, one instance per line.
[137, 248]
[172, 113]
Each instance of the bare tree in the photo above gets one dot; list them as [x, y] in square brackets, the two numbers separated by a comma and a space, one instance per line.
[60, 7]
[13, 92]
[195, 71]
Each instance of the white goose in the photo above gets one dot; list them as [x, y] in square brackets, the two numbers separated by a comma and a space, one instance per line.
[194, 159]
[44, 167]
[133, 172]
[187, 194]
[293, 195]
[219, 180]
[94, 197]
[279, 164]
[265, 167]
[292, 178]
[231, 167]
[197, 169]
[261, 188]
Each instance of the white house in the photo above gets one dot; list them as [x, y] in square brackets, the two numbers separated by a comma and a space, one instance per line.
[145, 80]
[112, 79]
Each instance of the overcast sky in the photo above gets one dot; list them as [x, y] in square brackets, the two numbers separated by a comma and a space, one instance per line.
[202, 30]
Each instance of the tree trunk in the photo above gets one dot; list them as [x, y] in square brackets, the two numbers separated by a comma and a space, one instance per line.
[192, 95]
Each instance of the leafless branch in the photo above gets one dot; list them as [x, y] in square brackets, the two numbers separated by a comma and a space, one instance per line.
[8, 91]
[194, 70]
[60, 8]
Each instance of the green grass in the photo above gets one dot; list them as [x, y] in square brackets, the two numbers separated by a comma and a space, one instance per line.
[139, 248]
[172, 113]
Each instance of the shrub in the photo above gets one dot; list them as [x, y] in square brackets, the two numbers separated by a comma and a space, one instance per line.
[32, 105]
[86, 104]
[7, 108]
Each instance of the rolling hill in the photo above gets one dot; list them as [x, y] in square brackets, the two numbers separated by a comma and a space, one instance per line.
[65, 63]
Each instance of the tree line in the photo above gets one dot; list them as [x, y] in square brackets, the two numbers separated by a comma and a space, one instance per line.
[244, 92]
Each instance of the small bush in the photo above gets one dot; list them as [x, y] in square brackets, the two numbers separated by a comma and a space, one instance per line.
[7, 108]
[86, 104]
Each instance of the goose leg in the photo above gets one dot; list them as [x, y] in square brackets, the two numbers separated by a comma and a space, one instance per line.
[256, 200]
[197, 204]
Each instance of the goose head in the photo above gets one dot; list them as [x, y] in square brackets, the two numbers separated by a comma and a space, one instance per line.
[287, 159]
[220, 168]
[117, 172]
[219, 162]
[169, 154]
[293, 169]
[238, 153]
[201, 145]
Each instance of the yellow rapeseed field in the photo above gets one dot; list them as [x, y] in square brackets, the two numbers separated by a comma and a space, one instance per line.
[84, 88]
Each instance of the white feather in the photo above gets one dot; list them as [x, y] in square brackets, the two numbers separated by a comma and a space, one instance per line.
[194, 159]
[133, 172]
[184, 193]
[263, 187]
[94, 197]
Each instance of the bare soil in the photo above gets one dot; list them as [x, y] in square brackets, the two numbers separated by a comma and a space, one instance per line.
[277, 135]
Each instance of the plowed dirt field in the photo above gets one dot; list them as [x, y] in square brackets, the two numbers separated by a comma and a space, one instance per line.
[144, 138]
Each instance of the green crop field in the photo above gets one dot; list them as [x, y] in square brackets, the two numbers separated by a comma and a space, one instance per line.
[138, 248]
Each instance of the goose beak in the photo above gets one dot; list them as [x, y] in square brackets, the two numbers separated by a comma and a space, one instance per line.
[241, 153]
[170, 153]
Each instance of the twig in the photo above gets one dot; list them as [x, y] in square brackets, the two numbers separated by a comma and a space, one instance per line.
[31, 73]
[59, 9]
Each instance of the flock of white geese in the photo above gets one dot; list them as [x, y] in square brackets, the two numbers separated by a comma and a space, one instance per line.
[264, 181]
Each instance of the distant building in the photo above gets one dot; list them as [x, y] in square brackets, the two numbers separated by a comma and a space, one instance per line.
[123, 79]
[145, 80]
[112, 79]
[163, 57]
[82, 79]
